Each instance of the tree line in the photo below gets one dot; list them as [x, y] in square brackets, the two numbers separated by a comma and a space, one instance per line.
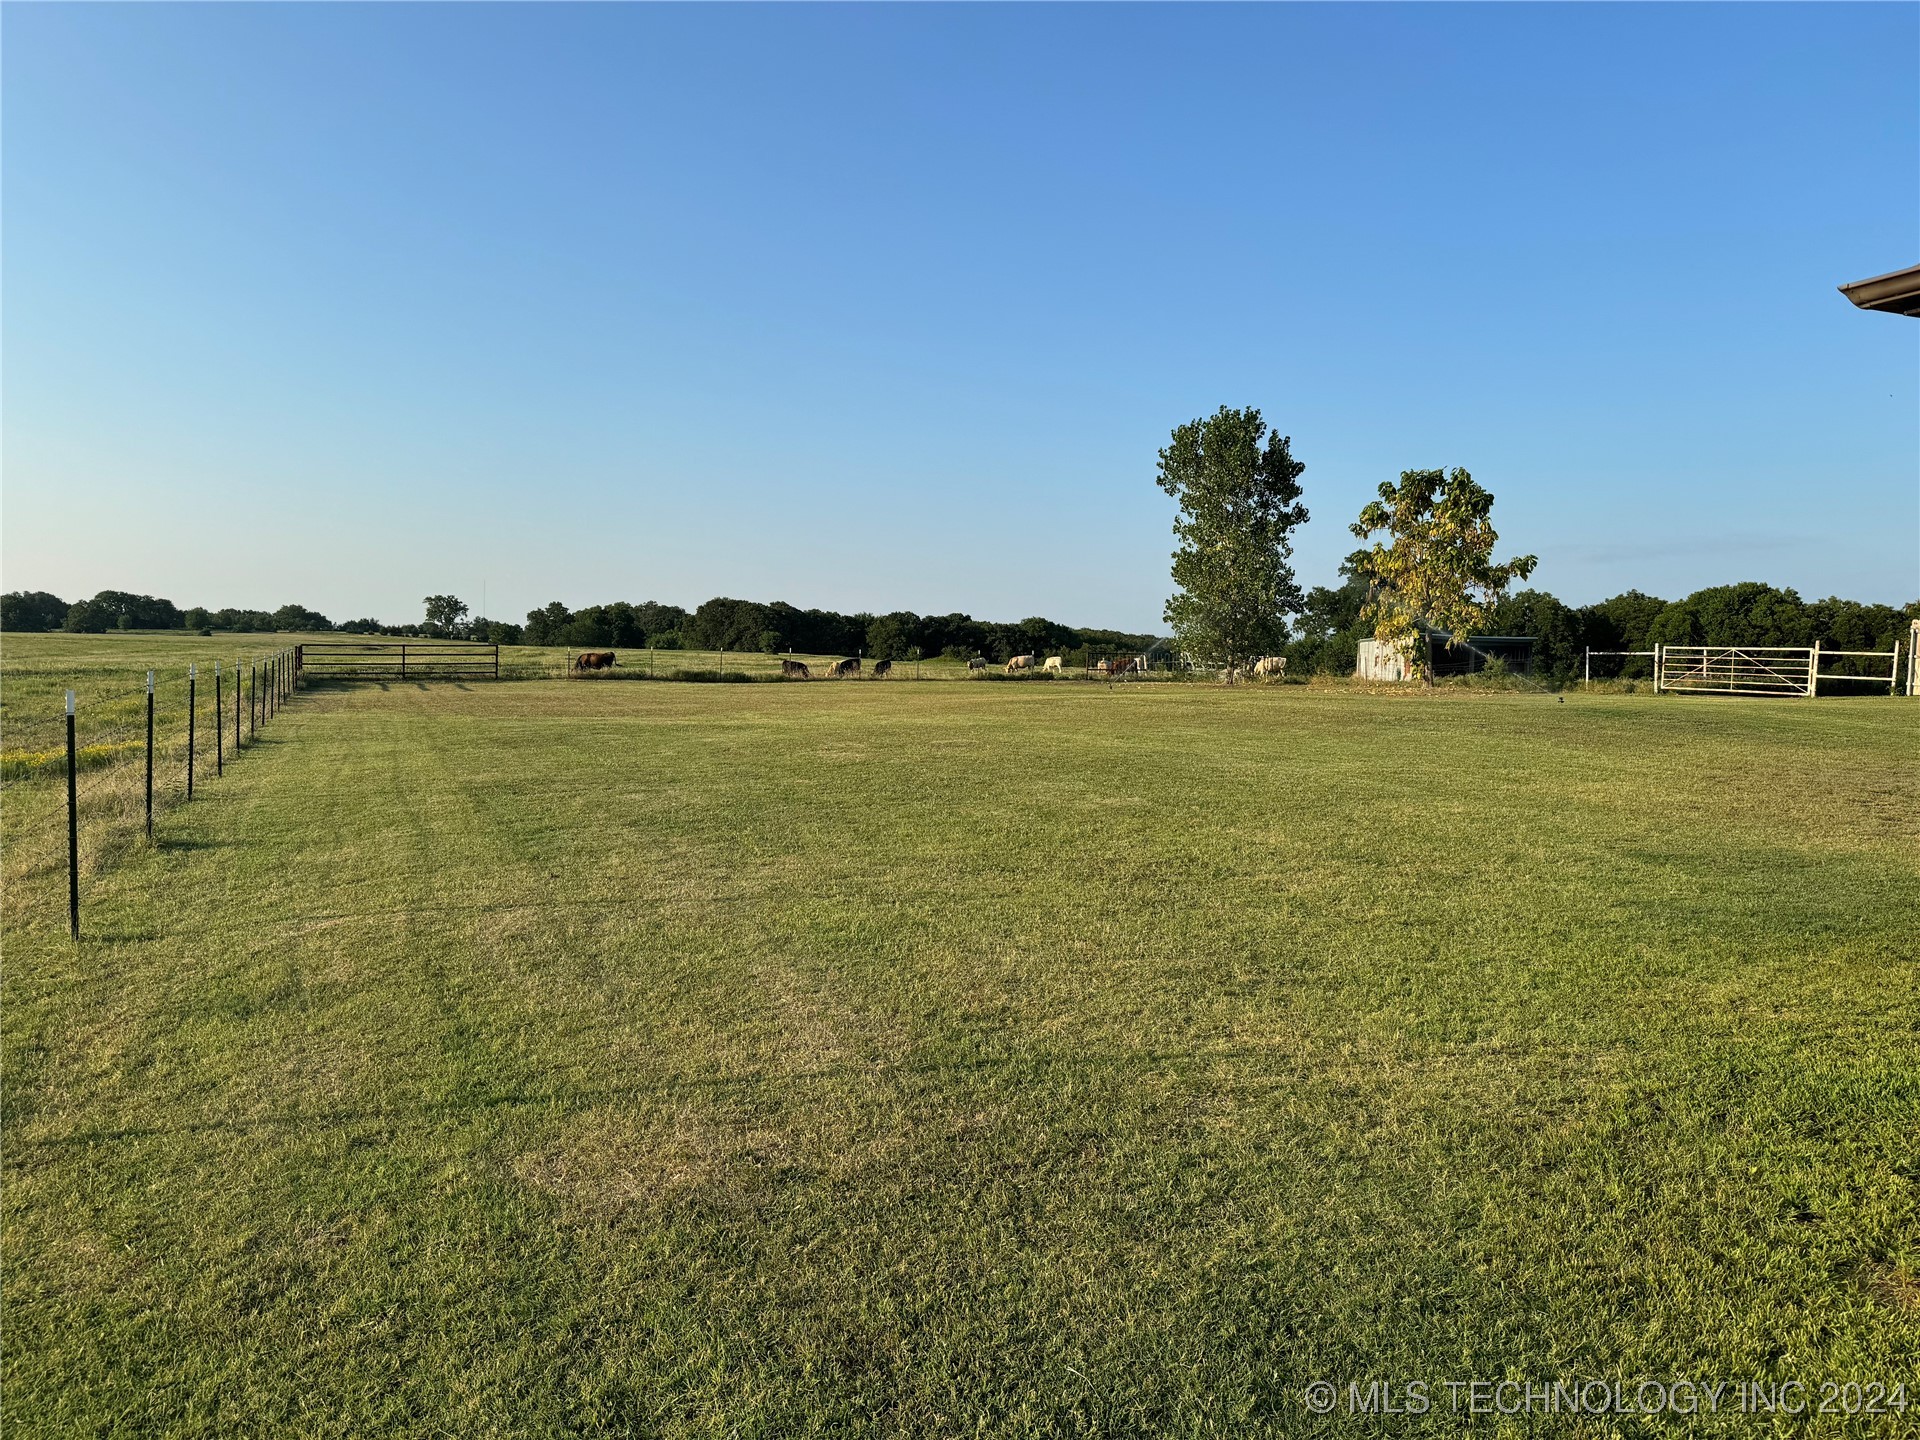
[37, 611]
[720, 624]
[775, 627]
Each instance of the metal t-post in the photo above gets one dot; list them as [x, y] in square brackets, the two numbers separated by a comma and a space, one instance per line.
[149, 754]
[73, 827]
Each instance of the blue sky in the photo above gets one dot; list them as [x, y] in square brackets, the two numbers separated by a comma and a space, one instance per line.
[890, 307]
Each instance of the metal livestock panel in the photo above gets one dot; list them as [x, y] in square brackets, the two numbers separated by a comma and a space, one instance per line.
[398, 660]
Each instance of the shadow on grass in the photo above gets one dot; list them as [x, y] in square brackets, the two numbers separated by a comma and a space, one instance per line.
[184, 844]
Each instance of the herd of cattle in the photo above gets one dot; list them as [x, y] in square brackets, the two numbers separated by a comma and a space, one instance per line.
[1269, 665]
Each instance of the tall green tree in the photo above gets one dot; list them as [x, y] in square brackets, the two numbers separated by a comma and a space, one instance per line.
[1238, 487]
[1435, 571]
[444, 613]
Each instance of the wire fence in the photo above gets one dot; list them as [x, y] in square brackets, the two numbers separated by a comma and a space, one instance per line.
[82, 785]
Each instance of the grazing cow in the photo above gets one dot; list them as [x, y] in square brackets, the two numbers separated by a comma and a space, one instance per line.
[1019, 662]
[1053, 664]
[976, 664]
[593, 660]
[1271, 665]
[842, 668]
[882, 667]
[796, 668]
[1120, 665]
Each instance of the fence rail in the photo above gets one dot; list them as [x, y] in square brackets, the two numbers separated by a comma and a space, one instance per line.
[398, 660]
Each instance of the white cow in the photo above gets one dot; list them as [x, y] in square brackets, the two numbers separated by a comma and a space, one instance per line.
[1271, 665]
[1019, 662]
[1053, 664]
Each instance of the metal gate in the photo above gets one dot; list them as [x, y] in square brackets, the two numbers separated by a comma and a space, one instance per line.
[398, 660]
[1762, 669]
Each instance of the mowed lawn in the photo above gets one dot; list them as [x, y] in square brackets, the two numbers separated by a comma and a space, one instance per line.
[551, 1059]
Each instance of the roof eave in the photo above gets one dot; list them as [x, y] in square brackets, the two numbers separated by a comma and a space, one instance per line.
[1896, 293]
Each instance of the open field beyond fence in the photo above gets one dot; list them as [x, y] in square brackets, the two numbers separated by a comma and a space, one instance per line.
[775, 1060]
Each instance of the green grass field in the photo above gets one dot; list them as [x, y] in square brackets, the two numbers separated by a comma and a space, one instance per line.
[767, 1060]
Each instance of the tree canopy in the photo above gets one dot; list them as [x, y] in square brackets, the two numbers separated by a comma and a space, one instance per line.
[1239, 504]
[1435, 571]
[444, 613]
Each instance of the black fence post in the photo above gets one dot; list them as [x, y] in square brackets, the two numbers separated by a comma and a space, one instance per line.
[236, 705]
[191, 669]
[219, 724]
[73, 827]
[253, 692]
[149, 754]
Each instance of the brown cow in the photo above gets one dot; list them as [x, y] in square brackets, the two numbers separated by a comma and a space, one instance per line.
[593, 660]
[882, 667]
[796, 668]
[841, 668]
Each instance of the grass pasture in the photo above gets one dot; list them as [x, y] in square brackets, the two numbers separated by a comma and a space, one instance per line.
[768, 1060]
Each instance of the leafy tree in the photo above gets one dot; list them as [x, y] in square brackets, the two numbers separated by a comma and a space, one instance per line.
[32, 611]
[653, 618]
[362, 627]
[1239, 504]
[444, 613]
[588, 628]
[724, 624]
[546, 625]
[890, 636]
[623, 625]
[1559, 639]
[1621, 623]
[122, 610]
[1749, 613]
[300, 618]
[1435, 572]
